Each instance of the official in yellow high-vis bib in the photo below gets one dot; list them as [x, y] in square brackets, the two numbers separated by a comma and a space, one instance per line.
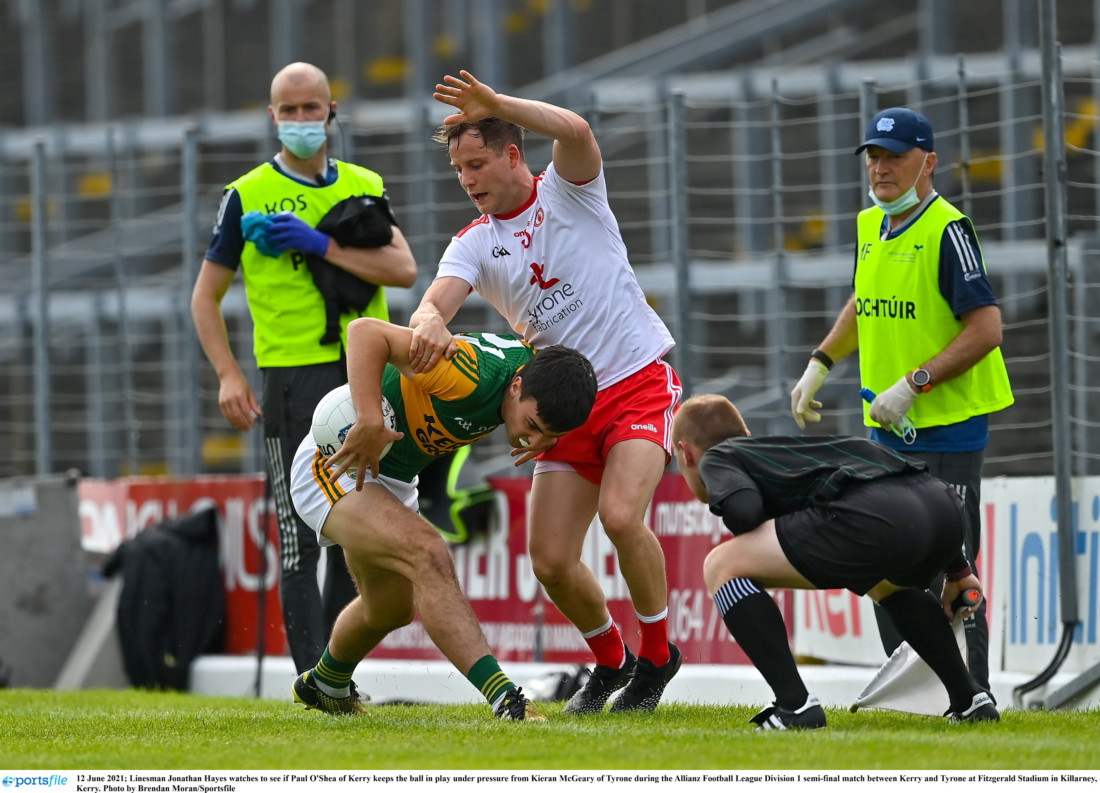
[928, 329]
[266, 228]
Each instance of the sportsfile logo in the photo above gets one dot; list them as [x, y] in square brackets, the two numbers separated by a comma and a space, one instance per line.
[28, 781]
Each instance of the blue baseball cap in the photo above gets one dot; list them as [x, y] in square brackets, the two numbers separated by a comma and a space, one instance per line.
[898, 129]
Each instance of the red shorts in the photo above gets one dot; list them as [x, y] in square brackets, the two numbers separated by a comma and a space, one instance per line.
[639, 406]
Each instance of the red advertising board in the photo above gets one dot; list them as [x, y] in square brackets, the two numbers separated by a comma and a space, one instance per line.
[495, 571]
[113, 510]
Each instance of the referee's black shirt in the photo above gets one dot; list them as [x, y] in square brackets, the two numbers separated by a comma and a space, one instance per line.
[751, 480]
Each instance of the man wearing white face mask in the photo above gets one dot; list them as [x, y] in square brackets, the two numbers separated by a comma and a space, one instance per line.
[928, 329]
[266, 228]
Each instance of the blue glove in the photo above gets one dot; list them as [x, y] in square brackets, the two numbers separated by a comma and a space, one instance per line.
[288, 232]
[254, 229]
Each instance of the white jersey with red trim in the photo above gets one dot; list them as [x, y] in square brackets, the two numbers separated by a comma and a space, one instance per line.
[557, 270]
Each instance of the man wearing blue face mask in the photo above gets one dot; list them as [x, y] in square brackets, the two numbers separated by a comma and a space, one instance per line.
[266, 228]
[928, 329]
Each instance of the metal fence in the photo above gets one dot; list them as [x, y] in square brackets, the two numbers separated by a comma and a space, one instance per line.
[736, 193]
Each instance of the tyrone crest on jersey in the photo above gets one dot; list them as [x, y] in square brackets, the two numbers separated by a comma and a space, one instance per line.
[538, 279]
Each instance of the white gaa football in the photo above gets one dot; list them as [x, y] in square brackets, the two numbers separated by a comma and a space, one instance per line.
[334, 416]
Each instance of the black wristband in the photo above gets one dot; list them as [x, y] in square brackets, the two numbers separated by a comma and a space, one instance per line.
[825, 359]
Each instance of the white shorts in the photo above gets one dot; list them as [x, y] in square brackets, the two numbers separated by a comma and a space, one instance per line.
[313, 495]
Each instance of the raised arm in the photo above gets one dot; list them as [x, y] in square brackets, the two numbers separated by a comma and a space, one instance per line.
[576, 154]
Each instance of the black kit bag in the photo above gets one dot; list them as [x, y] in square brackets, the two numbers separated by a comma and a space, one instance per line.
[358, 222]
[172, 605]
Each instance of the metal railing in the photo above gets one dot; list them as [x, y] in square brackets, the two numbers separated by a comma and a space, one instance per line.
[736, 193]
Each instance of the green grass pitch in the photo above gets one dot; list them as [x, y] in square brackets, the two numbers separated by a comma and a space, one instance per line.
[109, 729]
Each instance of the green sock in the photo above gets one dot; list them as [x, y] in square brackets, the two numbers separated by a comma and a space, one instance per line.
[488, 679]
[332, 676]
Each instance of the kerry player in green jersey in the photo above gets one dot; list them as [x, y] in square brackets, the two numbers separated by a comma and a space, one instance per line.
[399, 561]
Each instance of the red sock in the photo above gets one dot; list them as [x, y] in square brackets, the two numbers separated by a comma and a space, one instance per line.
[655, 640]
[608, 647]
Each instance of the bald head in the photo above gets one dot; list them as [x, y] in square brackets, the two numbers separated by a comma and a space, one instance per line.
[300, 93]
[300, 77]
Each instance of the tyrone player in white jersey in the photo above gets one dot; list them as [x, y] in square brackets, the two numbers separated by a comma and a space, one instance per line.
[547, 253]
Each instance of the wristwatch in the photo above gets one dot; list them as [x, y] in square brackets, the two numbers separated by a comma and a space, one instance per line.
[922, 380]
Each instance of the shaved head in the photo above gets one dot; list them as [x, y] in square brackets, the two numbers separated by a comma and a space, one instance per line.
[300, 76]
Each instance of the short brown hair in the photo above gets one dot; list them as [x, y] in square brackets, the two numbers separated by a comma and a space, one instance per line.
[707, 419]
[496, 134]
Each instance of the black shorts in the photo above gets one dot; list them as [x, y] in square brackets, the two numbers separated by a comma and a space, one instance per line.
[902, 529]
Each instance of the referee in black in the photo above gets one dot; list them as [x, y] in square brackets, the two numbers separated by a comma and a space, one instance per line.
[825, 512]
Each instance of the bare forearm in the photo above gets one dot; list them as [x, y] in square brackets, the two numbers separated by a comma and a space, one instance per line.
[388, 265]
[542, 118]
[219, 353]
[843, 339]
[214, 337]
[372, 343]
[981, 334]
[368, 353]
[424, 313]
[442, 299]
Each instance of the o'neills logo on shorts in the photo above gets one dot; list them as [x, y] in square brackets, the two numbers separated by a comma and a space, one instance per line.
[649, 427]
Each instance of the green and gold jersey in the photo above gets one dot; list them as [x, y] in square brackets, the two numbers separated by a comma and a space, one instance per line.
[456, 403]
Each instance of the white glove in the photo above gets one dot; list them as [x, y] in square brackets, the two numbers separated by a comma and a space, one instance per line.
[803, 405]
[890, 407]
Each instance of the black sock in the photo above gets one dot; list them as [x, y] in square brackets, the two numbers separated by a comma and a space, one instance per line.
[920, 620]
[757, 624]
